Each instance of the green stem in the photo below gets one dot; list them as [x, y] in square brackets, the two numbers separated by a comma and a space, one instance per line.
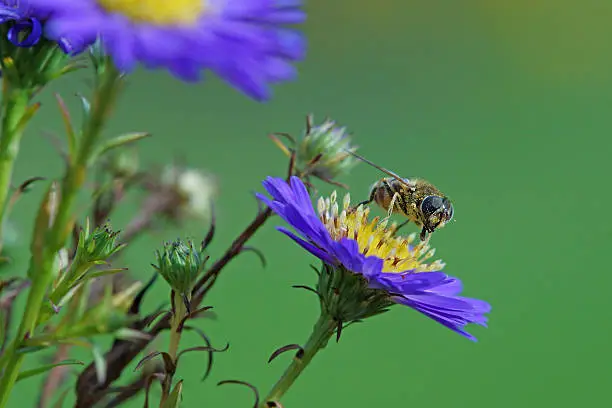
[13, 111]
[321, 333]
[104, 96]
[180, 311]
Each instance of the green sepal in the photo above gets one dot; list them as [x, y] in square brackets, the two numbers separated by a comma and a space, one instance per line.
[180, 263]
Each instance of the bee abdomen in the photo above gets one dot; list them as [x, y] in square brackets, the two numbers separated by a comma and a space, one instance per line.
[384, 191]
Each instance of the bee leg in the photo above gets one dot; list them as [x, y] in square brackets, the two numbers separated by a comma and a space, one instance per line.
[424, 236]
[402, 225]
[392, 204]
[365, 202]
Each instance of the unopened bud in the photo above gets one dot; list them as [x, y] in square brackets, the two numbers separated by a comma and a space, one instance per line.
[179, 263]
[330, 141]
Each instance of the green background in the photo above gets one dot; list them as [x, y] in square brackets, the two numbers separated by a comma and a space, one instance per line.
[504, 104]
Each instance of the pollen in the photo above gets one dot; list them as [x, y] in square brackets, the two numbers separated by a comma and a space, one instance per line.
[158, 12]
[376, 237]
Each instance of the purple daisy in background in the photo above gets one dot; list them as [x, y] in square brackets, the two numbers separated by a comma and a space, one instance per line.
[243, 41]
[345, 238]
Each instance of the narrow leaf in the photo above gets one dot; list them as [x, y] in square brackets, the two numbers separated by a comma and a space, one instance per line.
[35, 371]
[23, 188]
[201, 348]
[66, 70]
[147, 358]
[100, 364]
[28, 114]
[174, 399]
[31, 349]
[118, 142]
[44, 220]
[71, 136]
[105, 272]
[86, 106]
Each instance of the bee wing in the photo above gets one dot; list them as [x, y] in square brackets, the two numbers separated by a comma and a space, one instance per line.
[402, 180]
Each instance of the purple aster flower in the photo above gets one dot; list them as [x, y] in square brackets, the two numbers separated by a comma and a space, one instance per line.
[25, 20]
[242, 41]
[29, 19]
[345, 238]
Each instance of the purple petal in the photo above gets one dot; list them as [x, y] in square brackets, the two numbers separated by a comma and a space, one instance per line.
[319, 253]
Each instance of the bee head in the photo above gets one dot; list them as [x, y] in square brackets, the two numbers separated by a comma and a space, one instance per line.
[436, 211]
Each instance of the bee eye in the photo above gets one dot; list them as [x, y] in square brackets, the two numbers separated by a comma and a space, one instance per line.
[449, 209]
[430, 205]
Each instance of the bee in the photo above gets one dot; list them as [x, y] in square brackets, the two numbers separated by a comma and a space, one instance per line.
[417, 199]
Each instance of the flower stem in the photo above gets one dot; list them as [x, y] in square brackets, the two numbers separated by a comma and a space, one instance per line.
[43, 271]
[15, 105]
[180, 311]
[321, 333]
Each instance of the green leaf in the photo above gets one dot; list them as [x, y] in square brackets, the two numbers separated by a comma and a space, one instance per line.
[118, 142]
[32, 349]
[105, 272]
[174, 399]
[43, 369]
[66, 70]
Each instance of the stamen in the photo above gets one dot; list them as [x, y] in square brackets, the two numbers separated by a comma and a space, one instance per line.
[346, 203]
[375, 237]
[321, 206]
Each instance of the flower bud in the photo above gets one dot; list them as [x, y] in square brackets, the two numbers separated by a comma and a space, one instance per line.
[330, 141]
[179, 263]
[99, 245]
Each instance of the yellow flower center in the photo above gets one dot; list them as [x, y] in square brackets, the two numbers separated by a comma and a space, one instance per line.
[374, 237]
[159, 12]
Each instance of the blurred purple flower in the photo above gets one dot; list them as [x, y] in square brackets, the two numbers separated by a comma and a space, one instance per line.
[242, 41]
[24, 18]
[347, 239]
[28, 18]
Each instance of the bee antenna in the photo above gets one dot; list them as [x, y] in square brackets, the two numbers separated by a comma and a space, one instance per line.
[376, 166]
